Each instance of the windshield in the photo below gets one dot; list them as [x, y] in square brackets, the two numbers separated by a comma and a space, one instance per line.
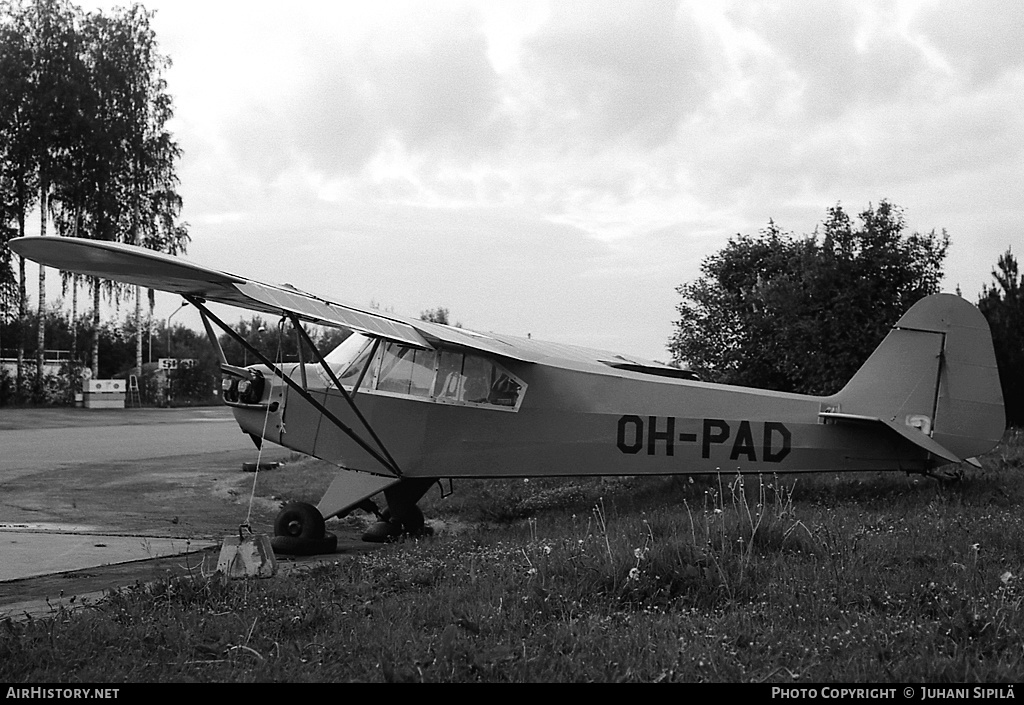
[348, 359]
[446, 376]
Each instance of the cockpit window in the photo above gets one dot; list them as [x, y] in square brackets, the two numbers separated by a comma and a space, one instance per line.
[440, 375]
[448, 384]
[406, 370]
[474, 379]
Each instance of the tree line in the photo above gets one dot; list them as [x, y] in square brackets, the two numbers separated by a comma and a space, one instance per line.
[802, 313]
[195, 384]
[69, 341]
[84, 109]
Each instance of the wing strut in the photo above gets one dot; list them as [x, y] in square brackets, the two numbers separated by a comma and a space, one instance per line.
[386, 462]
[351, 402]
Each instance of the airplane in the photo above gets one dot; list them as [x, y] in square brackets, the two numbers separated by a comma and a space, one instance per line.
[403, 403]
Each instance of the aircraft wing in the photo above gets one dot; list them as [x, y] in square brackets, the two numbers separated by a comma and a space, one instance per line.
[156, 270]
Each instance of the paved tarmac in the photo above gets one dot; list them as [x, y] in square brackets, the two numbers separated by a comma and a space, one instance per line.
[32, 551]
[94, 499]
[39, 439]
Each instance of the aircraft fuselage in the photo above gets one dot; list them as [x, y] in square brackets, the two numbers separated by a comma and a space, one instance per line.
[576, 422]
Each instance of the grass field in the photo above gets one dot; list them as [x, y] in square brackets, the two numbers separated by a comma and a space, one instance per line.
[854, 578]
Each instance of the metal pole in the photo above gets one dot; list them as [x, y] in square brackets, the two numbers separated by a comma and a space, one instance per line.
[183, 305]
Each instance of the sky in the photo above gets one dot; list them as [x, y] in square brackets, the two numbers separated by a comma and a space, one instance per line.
[558, 168]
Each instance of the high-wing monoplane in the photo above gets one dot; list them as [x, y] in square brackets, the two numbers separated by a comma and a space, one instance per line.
[402, 403]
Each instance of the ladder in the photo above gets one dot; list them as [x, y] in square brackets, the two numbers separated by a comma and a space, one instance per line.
[134, 399]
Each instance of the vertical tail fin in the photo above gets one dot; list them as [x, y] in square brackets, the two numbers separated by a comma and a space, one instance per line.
[935, 371]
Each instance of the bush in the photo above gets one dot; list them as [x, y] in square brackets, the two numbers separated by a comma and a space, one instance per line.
[6, 387]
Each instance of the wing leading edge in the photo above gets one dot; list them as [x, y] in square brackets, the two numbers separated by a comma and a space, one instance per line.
[155, 270]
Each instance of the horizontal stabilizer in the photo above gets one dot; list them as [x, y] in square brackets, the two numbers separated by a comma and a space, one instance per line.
[911, 433]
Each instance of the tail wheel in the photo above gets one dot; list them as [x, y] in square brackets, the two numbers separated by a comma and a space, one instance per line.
[299, 520]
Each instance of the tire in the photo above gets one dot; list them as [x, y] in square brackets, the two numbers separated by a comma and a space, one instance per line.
[292, 546]
[382, 532]
[299, 520]
[412, 520]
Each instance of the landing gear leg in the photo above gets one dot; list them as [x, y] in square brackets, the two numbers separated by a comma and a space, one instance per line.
[402, 516]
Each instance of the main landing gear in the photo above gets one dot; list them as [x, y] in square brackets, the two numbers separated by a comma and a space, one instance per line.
[299, 527]
[389, 527]
[401, 517]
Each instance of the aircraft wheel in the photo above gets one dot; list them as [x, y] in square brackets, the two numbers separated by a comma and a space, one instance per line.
[299, 520]
[293, 546]
[382, 531]
[412, 520]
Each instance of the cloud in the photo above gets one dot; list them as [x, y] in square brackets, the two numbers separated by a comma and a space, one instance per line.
[979, 41]
[611, 71]
[323, 88]
[439, 94]
[837, 56]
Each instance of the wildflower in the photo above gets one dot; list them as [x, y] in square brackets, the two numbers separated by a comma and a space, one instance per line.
[547, 550]
[1006, 577]
[531, 571]
[634, 574]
